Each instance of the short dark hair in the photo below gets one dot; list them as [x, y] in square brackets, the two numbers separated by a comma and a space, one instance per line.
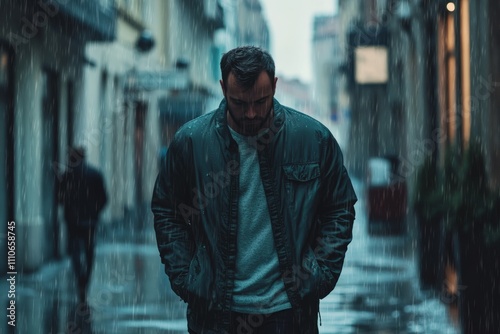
[246, 63]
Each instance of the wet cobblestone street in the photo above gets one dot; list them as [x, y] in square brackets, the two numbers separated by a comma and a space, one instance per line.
[378, 292]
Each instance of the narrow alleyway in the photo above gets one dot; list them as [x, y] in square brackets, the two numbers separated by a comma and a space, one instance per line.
[377, 293]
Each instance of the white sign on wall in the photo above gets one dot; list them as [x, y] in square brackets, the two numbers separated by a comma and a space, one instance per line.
[371, 65]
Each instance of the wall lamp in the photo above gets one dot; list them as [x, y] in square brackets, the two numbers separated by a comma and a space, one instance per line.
[450, 6]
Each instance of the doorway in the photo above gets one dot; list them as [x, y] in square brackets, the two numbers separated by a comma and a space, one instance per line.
[6, 137]
[50, 154]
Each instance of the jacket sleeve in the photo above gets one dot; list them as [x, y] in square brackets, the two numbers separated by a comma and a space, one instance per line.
[172, 228]
[336, 217]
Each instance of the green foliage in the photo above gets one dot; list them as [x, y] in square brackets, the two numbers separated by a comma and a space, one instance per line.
[459, 194]
[471, 205]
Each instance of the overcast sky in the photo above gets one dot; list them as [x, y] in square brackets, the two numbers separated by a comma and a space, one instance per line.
[290, 23]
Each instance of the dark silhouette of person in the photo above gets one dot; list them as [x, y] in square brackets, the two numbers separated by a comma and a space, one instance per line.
[83, 194]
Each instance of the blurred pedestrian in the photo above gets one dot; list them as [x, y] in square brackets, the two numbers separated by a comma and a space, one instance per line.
[83, 194]
[253, 209]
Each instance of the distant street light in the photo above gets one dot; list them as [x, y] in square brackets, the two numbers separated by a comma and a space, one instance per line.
[450, 6]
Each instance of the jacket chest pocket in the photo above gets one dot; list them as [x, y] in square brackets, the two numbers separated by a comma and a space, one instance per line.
[302, 182]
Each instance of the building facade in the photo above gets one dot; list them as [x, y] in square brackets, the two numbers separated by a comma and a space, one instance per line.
[94, 73]
[43, 61]
[438, 94]
[440, 85]
[332, 107]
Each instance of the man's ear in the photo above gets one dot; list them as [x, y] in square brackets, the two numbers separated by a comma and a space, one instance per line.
[223, 87]
[274, 84]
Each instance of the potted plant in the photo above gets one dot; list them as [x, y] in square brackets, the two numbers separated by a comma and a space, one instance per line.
[472, 215]
[429, 211]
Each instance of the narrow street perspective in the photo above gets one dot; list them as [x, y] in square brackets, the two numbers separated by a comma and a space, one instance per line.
[378, 291]
[222, 146]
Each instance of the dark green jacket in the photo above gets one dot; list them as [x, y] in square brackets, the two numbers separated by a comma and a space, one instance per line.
[195, 204]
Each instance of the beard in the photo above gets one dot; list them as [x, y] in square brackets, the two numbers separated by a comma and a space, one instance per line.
[250, 127]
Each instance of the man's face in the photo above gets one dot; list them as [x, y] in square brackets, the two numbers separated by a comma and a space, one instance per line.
[249, 110]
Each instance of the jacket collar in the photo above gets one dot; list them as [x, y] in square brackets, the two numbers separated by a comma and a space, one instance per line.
[222, 126]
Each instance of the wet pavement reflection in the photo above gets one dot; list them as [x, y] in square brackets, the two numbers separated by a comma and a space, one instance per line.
[378, 292]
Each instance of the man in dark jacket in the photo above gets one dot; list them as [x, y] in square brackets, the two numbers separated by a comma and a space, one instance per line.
[82, 193]
[253, 209]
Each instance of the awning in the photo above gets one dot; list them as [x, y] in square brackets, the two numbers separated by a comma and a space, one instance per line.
[95, 18]
[157, 80]
[182, 106]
